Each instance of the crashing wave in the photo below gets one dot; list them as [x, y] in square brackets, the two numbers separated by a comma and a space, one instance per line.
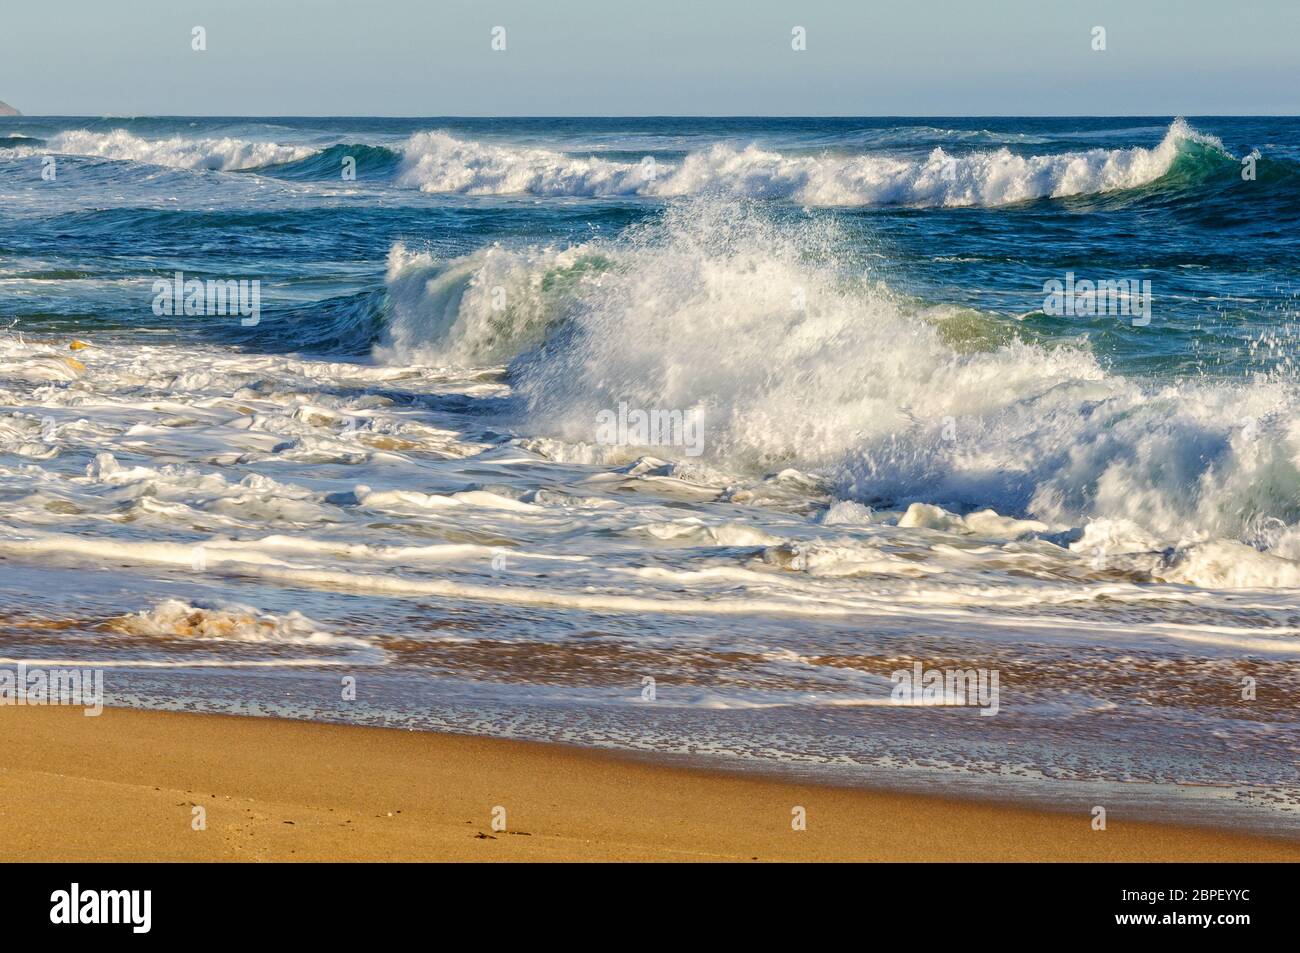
[226, 154]
[792, 359]
[438, 162]
[484, 308]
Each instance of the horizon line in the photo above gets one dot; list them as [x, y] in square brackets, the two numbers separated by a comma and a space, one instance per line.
[1035, 115]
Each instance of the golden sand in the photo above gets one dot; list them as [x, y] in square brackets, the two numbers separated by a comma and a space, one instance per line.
[125, 786]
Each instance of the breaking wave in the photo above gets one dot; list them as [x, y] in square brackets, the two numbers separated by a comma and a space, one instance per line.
[792, 358]
[226, 154]
[438, 162]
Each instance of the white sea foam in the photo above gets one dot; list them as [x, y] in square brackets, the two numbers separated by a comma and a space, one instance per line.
[225, 154]
[260, 565]
[438, 162]
[792, 360]
[877, 480]
[693, 531]
[982, 523]
[175, 619]
[480, 309]
[1225, 564]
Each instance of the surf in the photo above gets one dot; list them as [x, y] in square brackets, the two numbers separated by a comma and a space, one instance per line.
[440, 163]
[223, 154]
[796, 358]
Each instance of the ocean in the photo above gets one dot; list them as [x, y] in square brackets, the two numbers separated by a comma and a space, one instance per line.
[678, 436]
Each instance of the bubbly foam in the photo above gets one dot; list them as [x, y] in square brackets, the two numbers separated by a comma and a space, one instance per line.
[791, 358]
[884, 479]
[225, 154]
[480, 309]
[438, 162]
[173, 618]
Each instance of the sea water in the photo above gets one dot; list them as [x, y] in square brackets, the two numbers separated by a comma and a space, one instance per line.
[875, 434]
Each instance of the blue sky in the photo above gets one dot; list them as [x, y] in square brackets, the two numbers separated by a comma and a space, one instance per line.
[661, 57]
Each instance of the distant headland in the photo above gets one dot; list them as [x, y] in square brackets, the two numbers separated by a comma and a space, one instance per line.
[7, 110]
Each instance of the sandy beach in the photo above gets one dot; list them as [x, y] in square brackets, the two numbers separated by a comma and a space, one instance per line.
[817, 446]
[124, 787]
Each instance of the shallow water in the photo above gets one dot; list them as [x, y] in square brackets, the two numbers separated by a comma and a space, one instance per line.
[886, 452]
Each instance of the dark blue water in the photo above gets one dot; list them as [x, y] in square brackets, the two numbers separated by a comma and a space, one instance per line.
[1218, 249]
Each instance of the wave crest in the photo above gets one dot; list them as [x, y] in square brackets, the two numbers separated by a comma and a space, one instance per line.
[483, 308]
[747, 317]
[225, 154]
[437, 162]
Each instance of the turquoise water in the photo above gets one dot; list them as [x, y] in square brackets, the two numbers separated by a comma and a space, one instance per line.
[890, 445]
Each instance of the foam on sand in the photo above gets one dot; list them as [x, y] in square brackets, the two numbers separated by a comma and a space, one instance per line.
[173, 618]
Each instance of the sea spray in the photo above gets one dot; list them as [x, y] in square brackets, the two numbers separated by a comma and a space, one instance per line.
[759, 318]
[439, 162]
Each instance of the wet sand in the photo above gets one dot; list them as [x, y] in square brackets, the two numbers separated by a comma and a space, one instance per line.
[125, 786]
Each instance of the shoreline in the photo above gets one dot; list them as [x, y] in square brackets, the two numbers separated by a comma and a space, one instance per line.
[126, 786]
